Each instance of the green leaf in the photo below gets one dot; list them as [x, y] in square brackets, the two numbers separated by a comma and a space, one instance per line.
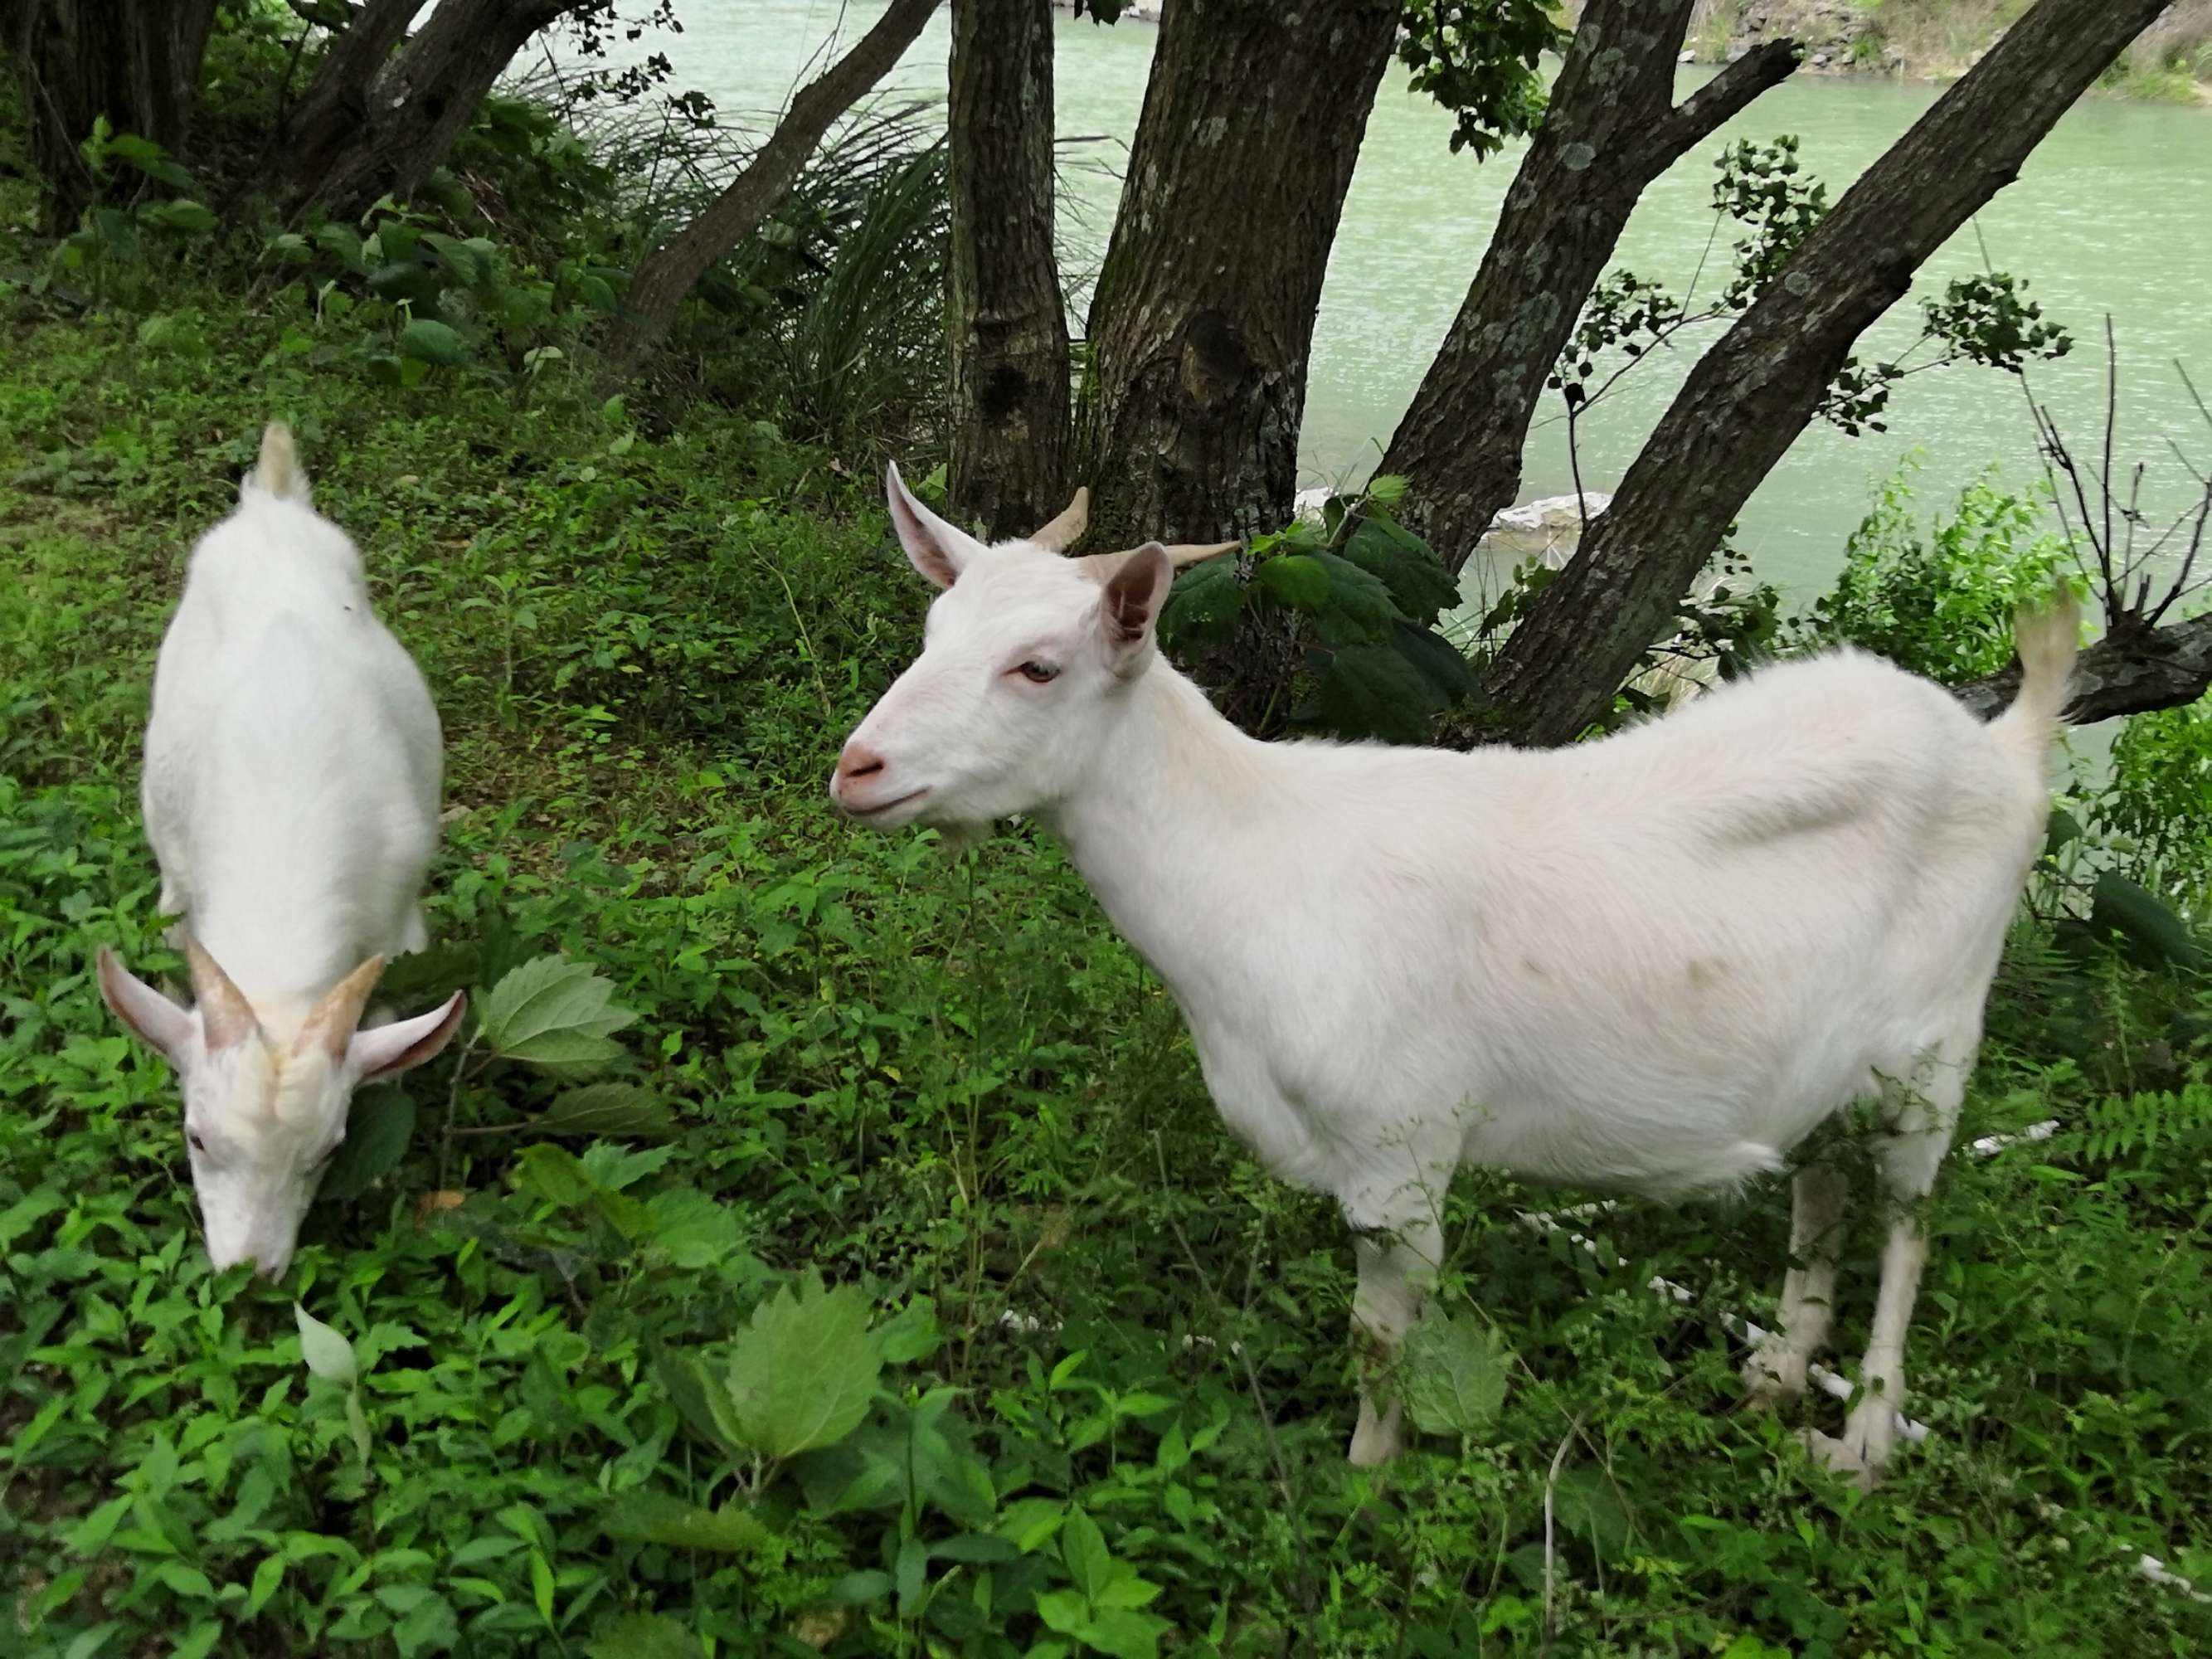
[473, 263]
[343, 243]
[1587, 1504]
[429, 1626]
[377, 1133]
[652, 1518]
[701, 1403]
[1436, 658]
[645, 1635]
[553, 1174]
[1455, 1373]
[1360, 609]
[433, 341]
[555, 1014]
[1063, 1610]
[2153, 931]
[609, 1109]
[1124, 1633]
[1083, 1547]
[803, 1371]
[1373, 691]
[913, 1334]
[327, 1352]
[1202, 609]
[1298, 580]
[187, 217]
[1419, 584]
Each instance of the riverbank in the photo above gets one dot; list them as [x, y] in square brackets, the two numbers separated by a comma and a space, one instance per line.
[1942, 40]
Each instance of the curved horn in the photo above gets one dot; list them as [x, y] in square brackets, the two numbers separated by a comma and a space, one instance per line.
[1056, 534]
[1192, 553]
[226, 1016]
[338, 1014]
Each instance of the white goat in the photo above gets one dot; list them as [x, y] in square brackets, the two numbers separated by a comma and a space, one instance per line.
[291, 799]
[1655, 963]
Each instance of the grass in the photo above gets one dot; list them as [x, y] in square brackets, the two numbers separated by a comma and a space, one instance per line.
[941, 1084]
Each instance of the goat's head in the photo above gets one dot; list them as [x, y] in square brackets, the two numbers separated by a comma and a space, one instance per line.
[263, 1117]
[1026, 659]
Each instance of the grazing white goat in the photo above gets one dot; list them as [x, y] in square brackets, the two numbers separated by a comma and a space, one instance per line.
[291, 798]
[1655, 963]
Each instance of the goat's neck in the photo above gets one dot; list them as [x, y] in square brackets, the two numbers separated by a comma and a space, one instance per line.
[1172, 827]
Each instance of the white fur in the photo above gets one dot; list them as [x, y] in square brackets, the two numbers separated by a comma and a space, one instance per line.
[290, 795]
[1654, 963]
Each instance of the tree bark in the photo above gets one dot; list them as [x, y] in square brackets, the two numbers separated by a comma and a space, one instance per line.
[384, 121]
[335, 110]
[1187, 425]
[1612, 126]
[137, 62]
[2130, 670]
[666, 276]
[1009, 324]
[1749, 397]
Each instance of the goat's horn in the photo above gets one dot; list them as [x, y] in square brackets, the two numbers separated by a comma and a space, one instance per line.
[1192, 553]
[1072, 521]
[226, 1016]
[338, 1014]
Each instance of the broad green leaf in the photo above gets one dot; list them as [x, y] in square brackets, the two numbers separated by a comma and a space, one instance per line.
[1455, 1375]
[1359, 608]
[191, 218]
[429, 1627]
[2154, 929]
[1436, 658]
[609, 1108]
[1419, 583]
[1063, 1610]
[472, 262]
[553, 1174]
[343, 243]
[554, 1013]
[1373, 691]
[1588, 1504]
[1083, 1547]
[1298, 580]
[703, 1405]
[433, 341]
[1202, 609]
[913, 1334]
[327, 1352]
[804, 1370]
[652, 1518]
[377, 1133]
[1124, 1633]
[644, 1635]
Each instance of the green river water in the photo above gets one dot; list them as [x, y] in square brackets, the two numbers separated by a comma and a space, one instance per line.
[2112, 214]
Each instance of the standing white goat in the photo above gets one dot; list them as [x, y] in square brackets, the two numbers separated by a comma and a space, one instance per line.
[291, 798]
[1655, 963]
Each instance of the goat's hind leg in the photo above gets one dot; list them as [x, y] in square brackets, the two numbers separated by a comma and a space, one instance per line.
[1920, 1114]
[1398, 1241]
[1777, 1368]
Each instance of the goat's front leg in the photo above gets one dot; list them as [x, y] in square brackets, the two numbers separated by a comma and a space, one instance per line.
[1776, 1370]
[1397, 1266]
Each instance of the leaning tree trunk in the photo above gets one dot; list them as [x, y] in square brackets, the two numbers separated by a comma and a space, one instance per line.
[666, 276]
[2130, 671]
[1008, 323]
[1187, 425]
[317, 134]
[136, 62]
[1611, 127]
[1755, 390]
[410, 105]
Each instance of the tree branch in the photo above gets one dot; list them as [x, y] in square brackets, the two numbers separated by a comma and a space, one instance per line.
[1751, 395]
[1611, 128]
[671, 271]
[2124, 673]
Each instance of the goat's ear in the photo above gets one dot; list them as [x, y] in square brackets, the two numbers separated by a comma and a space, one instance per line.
[385, 1051]
[933, 547]
[1130, 606]
[278, 471]
[153, 1018]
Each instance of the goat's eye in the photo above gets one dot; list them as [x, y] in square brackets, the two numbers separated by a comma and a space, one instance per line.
[1038, 673]
[193, 1136]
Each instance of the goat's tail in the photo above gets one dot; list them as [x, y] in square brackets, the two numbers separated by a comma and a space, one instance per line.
[2046, 636]
[278, 472]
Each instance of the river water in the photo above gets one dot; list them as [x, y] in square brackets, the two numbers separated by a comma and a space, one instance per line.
[2111, 215]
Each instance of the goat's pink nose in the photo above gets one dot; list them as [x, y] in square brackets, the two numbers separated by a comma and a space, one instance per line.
[857, 762]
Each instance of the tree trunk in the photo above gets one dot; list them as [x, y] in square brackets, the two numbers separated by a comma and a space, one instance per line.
[335, 111]
[1187, 425]
[1611, 128]
[1009, 324]
[1750, 395]
[137, 62]
[2129, 671]
[382, 123]
[666, 276]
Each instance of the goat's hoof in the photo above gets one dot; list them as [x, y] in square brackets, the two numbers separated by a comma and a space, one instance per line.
[1843, 1457]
